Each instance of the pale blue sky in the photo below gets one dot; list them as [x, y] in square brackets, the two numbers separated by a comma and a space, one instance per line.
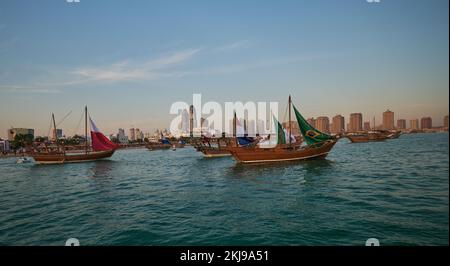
[130, 60]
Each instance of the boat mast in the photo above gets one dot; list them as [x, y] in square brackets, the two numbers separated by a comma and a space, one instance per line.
[54, 131]
[85, 129]
[290, 141]
[234, 128]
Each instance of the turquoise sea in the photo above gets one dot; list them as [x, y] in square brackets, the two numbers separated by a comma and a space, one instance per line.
[396, 191]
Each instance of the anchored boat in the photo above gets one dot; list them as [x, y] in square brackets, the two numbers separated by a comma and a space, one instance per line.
[318, 145]
[212, 150]
[101, 148]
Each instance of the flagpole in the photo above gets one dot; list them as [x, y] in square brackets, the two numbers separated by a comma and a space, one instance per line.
[85, 130]
[290, 142]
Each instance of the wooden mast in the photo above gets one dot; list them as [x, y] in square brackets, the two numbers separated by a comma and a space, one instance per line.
[290, 141]
[85, 129]
[234, 125]
[54, 131]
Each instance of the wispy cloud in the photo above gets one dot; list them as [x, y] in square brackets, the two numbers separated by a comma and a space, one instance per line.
[169, 65]
[233, 46]
[126, 70]
[27, 89]
[132, 70]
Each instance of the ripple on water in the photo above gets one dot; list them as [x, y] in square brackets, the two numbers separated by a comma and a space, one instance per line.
[396, 191]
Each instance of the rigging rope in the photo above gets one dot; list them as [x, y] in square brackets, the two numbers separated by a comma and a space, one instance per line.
[49, 128]
[78, 125]
[62, 120]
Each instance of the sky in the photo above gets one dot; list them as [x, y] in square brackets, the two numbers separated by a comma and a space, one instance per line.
[128, 61]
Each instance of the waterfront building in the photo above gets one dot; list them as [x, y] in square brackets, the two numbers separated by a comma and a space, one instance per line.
[311, 121]
[121, 137]
[338, 124]
[323, 124]
[426, 123]
[401, 124]
[57, 134]
[414, 124]
[388, 120]
[355, 123]
[4, 145]
[132, 134]
[12, 132]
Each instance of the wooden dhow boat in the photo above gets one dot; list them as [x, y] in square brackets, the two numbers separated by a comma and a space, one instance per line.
[212, 150]
[318, 145]
[372, 136]
[101, 148]
[164, 144]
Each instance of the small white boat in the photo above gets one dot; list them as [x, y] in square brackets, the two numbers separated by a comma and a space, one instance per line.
[23, 160]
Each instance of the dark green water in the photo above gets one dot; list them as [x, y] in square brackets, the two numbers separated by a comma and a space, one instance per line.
[396, 191]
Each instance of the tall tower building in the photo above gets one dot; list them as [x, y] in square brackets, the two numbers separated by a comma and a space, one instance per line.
[401, 124]
[132, 134]
[388, 120]
[355, 123]
[323, 124]
[426, 123]
[414, 124]
[338, 125]
[311, 121]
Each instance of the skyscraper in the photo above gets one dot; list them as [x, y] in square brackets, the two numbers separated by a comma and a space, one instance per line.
[355, 123]
[311, 121]
[132, 134]
[401, 124]
[426, 123]
[323, 124]
[338, 125]
[414, 124]
[388, 120]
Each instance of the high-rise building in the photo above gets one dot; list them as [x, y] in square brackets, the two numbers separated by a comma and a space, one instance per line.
[388, 120]
[12, 132]
[121, 137]
[401, 124]
[366, 126]
[132, 134]
[338, 124]
[323, 124]
[138, 134]
[426, 123]
[311, 121]
[191, 120]
[446, 121]
[355, 123]
[414, 124]
[58, 133]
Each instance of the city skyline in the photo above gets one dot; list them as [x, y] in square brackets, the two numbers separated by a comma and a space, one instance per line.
[130, 61]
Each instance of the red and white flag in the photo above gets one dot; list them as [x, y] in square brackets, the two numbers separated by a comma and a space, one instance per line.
[99, 141]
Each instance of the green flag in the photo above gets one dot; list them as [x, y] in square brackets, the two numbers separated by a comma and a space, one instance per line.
[310, 134]
[281, 137]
